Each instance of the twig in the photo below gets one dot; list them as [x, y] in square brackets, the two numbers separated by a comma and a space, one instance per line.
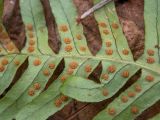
[76, 113]
[94, 8]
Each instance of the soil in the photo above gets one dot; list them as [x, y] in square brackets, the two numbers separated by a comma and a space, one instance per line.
[130, 13]
[13, 23]
[54, 40]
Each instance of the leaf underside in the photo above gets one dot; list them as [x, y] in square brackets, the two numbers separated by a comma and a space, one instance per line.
[35, 94]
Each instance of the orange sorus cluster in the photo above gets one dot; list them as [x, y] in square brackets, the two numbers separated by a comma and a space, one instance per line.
[109, 51]
[137, 88]
[72, 66]
[67, 40]
[5, 61]
[82, 48]
[150, 59]
[6, 41]
[31, 91]
[70, 70]
[46, 72]
[31, 42]
[58, 102]
[124, 99]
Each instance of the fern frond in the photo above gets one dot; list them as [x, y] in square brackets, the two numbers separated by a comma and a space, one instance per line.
[28, 88]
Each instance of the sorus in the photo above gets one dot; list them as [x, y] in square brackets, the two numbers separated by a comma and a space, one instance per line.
[111, 69]
[68, 48]
[124, 99]
[108, 43]
[105, 76]
[36, 62]
[131, 94]
[88, 68]
[109, 52]
[105, 92]
[149, 78]
[46, 72]
[111, 111]
[125, 74]
[102, 24]
[134, 110]
[73, 65]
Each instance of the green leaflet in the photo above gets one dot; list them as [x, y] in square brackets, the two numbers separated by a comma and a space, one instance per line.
[10, 72]
[34, 16]
[87, 91]
[114, 56]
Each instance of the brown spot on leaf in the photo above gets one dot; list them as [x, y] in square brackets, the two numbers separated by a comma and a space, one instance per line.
[149, 78]
[63, 78]
[30, 27]
[30, 49]
[105, 92]
[124, 99]
[51, 66]
[10, 47]
[70, 71]
[16, 62]
[138, 88]
[134, 110]
[31, 92]
[125, 74]
[4, 61]
[150, 52]
[31, 35]
[105, 76]
[64, 98]
[82, 48]
[37, 86]
[131, 94]
[108, 43]
[79, 37]
[102, 24]
[109, 52]
[106, 32]
[31, 42]
[88, 68]
[36, 62]
[73, 65]
[111, 69]
[67, 40]
[46, 72]
[111, 111]
[125, 51]
[150, 60]
[68, 48]
[63, 28]
[115, 25]
[58, 102]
